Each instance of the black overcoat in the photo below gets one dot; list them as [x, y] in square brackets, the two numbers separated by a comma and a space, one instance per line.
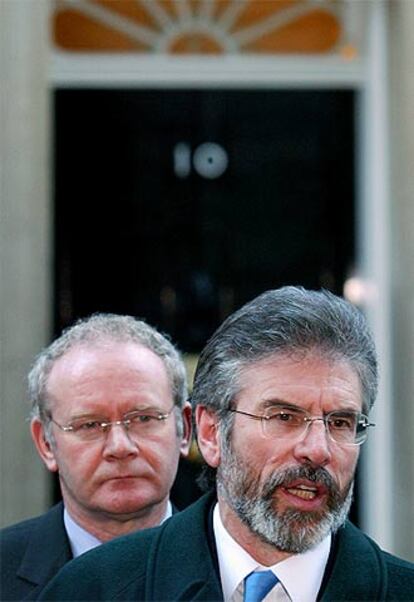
[31, 553]
[177, 561]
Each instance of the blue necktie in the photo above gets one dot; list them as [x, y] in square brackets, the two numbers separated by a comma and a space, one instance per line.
[258, 584]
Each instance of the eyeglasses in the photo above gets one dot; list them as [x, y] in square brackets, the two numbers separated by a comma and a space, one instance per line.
[138, 423]
[345, 427]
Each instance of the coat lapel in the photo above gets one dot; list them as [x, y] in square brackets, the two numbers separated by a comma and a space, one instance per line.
[183, 561]
[47, 549]
[357, 570]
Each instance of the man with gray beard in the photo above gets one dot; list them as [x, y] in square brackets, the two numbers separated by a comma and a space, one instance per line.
[282, 395]
[255, 507]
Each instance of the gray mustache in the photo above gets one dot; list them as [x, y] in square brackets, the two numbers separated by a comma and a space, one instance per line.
[288, 475]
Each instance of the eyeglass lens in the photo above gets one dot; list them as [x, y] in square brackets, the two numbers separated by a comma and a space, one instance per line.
[348, 428]
[138, 423]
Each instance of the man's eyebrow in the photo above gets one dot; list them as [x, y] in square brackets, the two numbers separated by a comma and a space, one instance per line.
[288, 405]
[137, 408]
[145, 409]
[87, 416]
[279, 403]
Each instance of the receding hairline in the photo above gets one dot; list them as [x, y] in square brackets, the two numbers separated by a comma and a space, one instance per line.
[105, 342]
[108, 344]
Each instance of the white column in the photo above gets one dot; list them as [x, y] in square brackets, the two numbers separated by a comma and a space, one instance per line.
[402, 276]
[387, 244]
[25, 237]
[377, 468]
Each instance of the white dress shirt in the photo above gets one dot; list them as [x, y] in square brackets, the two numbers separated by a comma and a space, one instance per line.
[300, 576]
[82, 541]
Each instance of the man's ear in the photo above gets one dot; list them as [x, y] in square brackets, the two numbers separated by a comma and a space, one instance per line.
[42, 444]
[208, 436]
[187, 429]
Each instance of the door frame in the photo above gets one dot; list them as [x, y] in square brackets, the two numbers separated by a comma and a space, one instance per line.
[367, 75]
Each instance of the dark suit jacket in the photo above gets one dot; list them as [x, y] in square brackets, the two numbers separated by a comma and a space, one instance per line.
[177, 561]
[31, 553]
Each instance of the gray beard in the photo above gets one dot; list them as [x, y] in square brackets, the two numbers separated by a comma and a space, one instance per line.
[291, 530]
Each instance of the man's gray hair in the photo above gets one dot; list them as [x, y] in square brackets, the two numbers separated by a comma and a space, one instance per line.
[290, 321]
[100, 329]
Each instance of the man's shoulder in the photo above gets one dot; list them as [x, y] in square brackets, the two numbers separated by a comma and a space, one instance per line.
[383, 576]
[397, 563]
[31, 552]
[124, 567]
[357, 537]
[20, 532]
[400, 576]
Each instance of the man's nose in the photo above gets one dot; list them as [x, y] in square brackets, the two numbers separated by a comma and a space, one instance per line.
[118, 442]
[314, 446]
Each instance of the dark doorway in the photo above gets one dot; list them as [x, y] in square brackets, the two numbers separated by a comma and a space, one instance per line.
[180, 205]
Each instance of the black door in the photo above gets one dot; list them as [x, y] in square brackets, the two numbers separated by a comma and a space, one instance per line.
[178, 205]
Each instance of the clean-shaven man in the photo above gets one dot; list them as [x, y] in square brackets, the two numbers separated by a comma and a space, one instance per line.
[110, 416]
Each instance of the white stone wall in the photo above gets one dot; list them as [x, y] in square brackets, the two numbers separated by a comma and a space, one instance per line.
[25, 236]
[401, 13]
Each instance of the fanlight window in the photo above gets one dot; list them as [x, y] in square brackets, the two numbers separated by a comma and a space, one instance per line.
[211, 27]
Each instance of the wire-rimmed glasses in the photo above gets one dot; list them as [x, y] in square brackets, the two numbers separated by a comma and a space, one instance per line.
[346, 427]
[140, 423]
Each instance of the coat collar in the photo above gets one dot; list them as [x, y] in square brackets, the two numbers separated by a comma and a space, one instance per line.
[47, 548]
[185, 547]
[356, 570]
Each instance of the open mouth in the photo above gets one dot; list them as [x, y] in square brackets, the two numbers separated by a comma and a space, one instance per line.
[303, 492]
[305, 495]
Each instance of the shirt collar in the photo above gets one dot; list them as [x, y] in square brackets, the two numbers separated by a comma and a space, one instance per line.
[235, 564]
[82, 541]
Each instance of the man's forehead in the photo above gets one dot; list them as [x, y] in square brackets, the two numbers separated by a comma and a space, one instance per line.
[97, 379]
[87, 350]
[107, 358]
[296, 369]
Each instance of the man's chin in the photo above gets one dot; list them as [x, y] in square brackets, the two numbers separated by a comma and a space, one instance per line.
[125, 505]
[292, 531]
[293, 527]
[123, 513]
